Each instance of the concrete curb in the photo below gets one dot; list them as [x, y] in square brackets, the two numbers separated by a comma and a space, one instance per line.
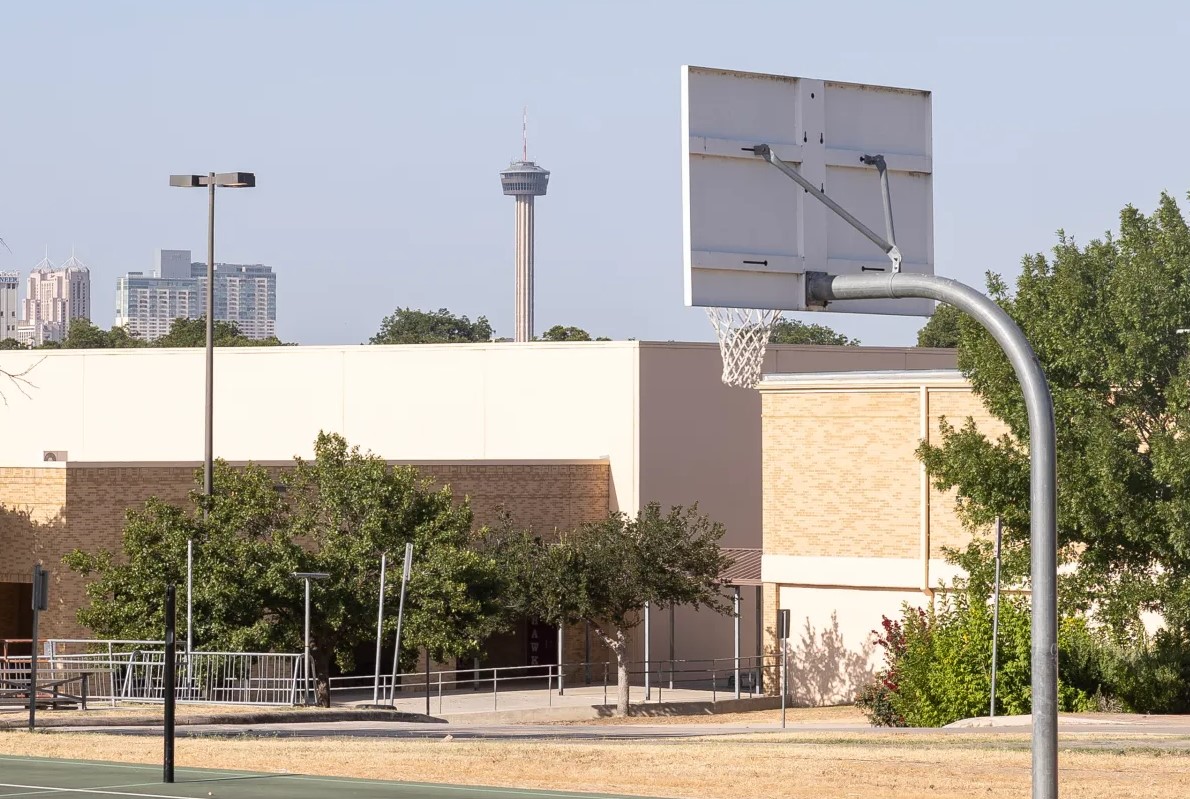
[46, 720]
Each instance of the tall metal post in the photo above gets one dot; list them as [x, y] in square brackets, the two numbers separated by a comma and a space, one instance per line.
[379, 633]
[672, 646]
[169, 683]
[735, 613]
[648, 665]
[400, 617]
[189, 594]
[561, 659]
[823, 288]
[306, 647]
[996, 615]
[209, 448]
[39, 603]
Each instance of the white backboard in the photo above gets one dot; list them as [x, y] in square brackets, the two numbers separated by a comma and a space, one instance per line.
[751, 232]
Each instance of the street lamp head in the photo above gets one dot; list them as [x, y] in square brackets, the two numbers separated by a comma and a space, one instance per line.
[311, 575]
[236, 180]
[187, 181]
[227, 180]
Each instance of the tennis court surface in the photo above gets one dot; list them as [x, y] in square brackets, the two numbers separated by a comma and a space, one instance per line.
[84, 779]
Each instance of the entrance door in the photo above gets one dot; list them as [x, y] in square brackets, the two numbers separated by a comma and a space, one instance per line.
[541, 644]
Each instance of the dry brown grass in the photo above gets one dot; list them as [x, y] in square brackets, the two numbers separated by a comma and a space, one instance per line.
[795, 765]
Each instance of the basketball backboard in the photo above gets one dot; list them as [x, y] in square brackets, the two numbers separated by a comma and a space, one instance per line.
[751, 233]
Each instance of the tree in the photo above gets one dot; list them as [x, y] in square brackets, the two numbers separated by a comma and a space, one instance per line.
[604, 572]
[337, 514]
[193, 333]
[791, 331]
[943, 328]
[560, 333]
[84, 335]
[409, 326]
[1103, 320]
[11, 344]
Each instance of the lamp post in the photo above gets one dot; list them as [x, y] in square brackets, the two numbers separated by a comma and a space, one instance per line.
[308, 576]
[230, 180]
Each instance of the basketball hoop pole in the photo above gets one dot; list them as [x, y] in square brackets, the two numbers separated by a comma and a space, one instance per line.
[822, 288]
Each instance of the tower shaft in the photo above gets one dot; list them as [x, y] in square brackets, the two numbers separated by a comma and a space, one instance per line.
[523, 321]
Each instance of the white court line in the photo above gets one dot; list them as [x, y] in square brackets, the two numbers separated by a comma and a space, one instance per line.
[47, 789]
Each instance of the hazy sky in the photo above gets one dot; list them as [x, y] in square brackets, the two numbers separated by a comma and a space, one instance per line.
[377, 129]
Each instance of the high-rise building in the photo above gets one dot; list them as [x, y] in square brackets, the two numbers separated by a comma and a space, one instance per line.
[9, 286]
[524, 180]
[147, 305]
[245, 294]
[55, 295]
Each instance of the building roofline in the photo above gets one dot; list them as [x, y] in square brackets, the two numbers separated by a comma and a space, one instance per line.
[883, 379]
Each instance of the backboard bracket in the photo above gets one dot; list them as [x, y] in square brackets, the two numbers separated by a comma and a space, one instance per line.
[889, 246]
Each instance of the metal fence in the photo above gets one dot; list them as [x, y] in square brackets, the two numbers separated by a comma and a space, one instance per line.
[134, 671]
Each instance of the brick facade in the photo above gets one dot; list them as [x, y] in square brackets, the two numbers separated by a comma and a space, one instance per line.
[49, 511]
[852, 526]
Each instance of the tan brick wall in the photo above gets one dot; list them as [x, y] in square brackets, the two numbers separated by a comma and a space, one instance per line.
[48, 512]
[840, 477]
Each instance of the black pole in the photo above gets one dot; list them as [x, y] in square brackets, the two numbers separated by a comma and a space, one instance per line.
[169, 679]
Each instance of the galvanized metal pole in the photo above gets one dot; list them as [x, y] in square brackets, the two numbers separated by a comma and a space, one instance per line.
[823, 288]
[996, 615]
[400, 617]
[379, 632]
[306, 649]
[672, 647]
[648, 632]
[208, 416]
[735, 612]
[37, 582]
[189, 603]
[561, 690]
[169, 684]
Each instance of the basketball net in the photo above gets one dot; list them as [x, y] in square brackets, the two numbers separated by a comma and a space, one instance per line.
[743, 335]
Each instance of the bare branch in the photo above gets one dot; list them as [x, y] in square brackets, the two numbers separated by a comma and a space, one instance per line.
[20, 379]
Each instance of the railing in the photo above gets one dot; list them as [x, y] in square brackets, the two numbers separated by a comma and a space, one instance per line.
[438, 688]
[134, 671]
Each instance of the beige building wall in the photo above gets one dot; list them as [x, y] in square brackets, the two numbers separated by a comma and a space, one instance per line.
[655, 415]
[852, 527]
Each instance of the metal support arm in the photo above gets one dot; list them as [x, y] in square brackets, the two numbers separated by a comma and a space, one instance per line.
[888, 247]
[823, 288]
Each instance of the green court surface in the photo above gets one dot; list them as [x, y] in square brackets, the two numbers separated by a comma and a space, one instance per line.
[84, 779]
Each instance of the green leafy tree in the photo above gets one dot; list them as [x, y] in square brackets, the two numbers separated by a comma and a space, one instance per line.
[1103, 319]
[943, 328]
[561, 333]
[193, 333]
[338, 513]
[604, 572]
[409, 326]
[11, 344]
[791, 331]
[85, 335]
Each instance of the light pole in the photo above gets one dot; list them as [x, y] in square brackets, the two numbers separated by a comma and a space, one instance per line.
[230, 180]
[308, 576]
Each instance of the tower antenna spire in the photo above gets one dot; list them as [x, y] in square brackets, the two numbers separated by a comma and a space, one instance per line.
[525, 133]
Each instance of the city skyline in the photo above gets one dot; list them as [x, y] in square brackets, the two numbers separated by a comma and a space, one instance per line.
[399, 194]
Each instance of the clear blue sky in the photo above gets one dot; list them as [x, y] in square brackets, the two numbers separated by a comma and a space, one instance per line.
[377, 129]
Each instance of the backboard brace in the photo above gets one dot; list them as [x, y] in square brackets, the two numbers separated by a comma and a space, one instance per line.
[752, 233]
